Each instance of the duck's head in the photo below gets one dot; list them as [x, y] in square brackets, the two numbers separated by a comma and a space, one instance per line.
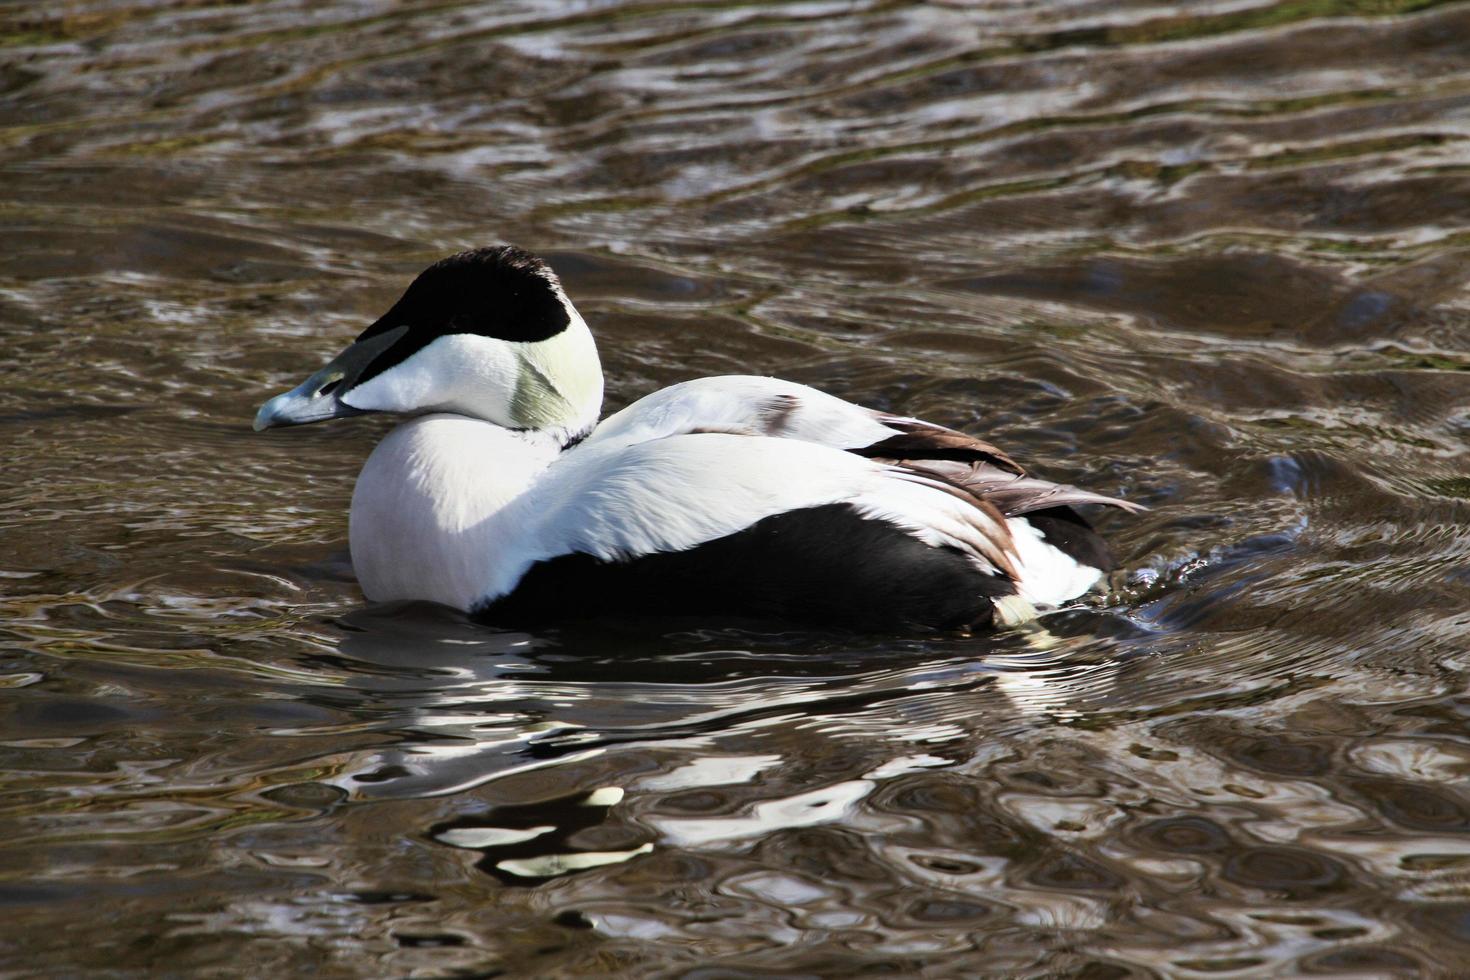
[487, 333]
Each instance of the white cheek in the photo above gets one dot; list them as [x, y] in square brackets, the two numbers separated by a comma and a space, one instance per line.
[462, 373]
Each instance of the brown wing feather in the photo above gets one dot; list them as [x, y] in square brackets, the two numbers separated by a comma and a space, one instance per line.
[980, 469]
[1010, 493]
[994, 542]
[916, 440]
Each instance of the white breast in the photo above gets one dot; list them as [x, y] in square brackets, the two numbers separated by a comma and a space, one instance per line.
[422, 523]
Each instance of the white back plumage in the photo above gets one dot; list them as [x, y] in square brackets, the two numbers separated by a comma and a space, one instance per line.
[744, 405]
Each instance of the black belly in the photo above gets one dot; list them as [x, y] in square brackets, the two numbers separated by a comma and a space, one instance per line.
[824, 565]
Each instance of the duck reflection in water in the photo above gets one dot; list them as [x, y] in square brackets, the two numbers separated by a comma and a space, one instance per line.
[471, 706]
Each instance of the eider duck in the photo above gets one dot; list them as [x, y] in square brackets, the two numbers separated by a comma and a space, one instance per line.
[501, 494]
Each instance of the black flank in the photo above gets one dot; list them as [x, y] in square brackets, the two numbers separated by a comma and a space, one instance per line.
[822, 565]
[500, 292]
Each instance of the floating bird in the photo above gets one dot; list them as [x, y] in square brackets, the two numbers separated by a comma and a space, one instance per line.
[503, 496]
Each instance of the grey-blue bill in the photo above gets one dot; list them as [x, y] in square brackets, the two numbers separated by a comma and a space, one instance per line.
[319, 397]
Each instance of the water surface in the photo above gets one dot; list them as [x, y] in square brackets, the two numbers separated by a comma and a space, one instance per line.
[1208, 256]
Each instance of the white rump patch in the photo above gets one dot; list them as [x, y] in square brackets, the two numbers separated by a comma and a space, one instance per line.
[1048, 576]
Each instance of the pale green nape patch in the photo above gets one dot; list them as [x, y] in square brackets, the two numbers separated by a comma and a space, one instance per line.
[559, 384]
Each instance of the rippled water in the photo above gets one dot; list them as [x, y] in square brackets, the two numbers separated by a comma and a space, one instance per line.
[1211, 256]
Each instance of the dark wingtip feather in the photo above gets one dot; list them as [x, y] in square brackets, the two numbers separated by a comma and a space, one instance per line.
[915, 439]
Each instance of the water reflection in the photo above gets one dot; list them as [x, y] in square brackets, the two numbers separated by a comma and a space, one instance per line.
[481, 703]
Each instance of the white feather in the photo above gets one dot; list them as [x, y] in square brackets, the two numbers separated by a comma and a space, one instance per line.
[673, 494]
[744, 404]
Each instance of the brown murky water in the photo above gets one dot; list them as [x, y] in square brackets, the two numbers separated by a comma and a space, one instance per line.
[1212, 256]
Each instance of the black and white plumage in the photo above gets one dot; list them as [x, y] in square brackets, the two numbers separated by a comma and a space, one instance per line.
[504, 497]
